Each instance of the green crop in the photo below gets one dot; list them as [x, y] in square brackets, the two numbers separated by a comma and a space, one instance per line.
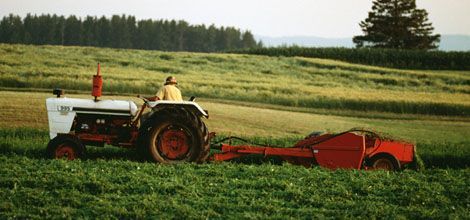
[119, 187]
[295, 82]
[114, 183]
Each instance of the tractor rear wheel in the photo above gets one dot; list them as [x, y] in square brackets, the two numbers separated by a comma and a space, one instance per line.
[65, 147]
[177, 136]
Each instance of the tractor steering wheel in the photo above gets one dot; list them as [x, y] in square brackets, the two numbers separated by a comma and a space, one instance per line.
[146, 101]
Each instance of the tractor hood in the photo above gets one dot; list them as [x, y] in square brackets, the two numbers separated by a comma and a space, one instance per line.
[89, 106]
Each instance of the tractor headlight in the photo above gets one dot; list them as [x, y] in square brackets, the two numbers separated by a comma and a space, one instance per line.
[84, 127]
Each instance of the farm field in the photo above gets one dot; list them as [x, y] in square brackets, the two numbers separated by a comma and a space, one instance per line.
[105, 188]
[242, 100]
[230, 119]
[212, 190]
[322, 83]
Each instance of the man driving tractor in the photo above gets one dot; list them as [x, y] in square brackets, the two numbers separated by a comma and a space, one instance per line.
[169, 91]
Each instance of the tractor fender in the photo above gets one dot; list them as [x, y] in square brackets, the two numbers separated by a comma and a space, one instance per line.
[162, 105]
[190, 106]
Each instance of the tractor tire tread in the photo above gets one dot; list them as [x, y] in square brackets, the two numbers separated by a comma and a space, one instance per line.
[183, 116]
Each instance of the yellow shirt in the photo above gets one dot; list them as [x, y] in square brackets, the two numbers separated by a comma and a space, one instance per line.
[169, 92]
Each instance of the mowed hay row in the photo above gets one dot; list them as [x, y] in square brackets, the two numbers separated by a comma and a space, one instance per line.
[302, 82]
[261, 120]
[343, 98]
[23, 110]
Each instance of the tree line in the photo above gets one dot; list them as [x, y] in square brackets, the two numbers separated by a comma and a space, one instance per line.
[122, 32]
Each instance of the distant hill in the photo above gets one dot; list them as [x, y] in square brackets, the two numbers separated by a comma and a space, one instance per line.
[306, 41]
[448, 42]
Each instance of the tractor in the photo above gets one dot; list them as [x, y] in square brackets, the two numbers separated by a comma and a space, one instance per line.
[174, 131]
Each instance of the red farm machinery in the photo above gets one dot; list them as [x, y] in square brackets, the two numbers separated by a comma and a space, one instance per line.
[353, 149]
[174, 131]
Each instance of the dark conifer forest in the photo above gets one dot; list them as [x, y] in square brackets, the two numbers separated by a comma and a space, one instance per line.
[122, 31]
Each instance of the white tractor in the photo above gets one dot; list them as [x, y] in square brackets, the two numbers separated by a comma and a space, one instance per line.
[173, 131]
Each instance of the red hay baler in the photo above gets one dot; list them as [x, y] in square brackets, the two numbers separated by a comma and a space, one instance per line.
[353, 149]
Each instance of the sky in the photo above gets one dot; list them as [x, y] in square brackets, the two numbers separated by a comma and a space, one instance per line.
[274, 18]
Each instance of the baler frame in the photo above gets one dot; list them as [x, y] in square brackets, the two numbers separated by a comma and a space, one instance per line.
[352, 149]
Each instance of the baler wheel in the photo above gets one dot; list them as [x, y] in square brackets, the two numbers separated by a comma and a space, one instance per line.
[384, 162]
[65, 147]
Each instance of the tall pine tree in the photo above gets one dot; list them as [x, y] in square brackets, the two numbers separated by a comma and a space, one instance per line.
[397, 24]
[248, 40]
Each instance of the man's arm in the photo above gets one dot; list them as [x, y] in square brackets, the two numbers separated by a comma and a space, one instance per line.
[158, 96]
[160, 93]
[150, 98]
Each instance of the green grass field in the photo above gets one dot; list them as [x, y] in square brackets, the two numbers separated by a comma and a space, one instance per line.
[296, 82]
[103, 188]
[114, 183]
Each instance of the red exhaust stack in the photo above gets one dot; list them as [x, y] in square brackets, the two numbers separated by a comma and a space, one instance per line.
[97, 84]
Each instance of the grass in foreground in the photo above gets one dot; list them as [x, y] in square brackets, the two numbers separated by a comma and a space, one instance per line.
[113, 183]
[38, 188]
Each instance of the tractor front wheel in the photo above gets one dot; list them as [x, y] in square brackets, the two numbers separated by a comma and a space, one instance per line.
[65, 147]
